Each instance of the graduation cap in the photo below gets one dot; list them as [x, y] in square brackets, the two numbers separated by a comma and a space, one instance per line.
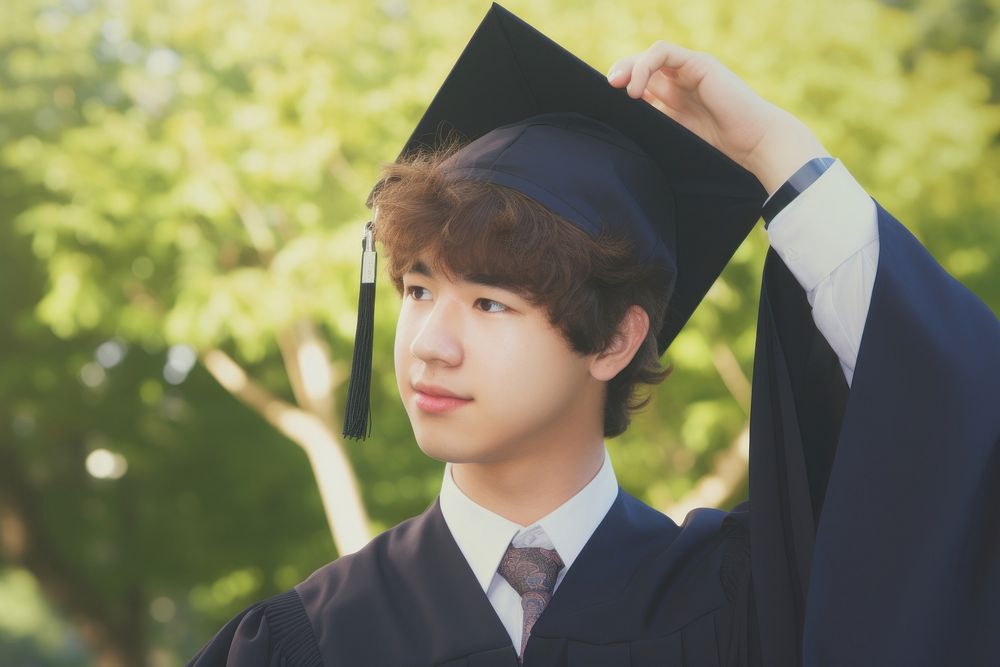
[543, 122]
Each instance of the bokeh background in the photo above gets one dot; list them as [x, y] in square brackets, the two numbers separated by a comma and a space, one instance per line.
[181, 197]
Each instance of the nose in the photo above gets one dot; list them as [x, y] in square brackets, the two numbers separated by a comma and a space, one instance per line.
[438, 338]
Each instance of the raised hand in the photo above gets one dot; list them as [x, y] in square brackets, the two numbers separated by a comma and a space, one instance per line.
[706, 97]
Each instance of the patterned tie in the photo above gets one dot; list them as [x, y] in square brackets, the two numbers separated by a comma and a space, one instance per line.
[531, 572]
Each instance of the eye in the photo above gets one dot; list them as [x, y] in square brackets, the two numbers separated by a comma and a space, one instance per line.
[490, 306]
[417, 293]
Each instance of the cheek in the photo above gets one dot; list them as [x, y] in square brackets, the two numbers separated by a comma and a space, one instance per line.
[528, 373]
[401, 352]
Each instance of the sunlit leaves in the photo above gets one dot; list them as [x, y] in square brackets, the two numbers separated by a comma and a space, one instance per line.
[193, 173]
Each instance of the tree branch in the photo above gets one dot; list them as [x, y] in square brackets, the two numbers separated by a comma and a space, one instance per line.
[730, 466]
[713, 489]
[310, 370]
[728, 368]
[338, 487]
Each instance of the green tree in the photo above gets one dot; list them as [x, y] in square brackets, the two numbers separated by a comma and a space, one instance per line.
[172, 532]
[181, 175]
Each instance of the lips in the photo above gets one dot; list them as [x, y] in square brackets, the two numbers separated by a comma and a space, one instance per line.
[437, 400]
[434, 390]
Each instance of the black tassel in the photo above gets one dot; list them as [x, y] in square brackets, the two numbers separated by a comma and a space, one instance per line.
[356, 413]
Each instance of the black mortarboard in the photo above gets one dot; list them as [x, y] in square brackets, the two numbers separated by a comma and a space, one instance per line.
[543, 122]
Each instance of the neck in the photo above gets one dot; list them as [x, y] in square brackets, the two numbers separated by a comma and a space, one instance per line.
[526, 489]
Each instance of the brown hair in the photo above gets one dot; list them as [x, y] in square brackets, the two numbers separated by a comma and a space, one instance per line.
[475, 229]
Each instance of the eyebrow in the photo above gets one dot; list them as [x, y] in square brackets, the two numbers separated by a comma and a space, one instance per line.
[476, 278]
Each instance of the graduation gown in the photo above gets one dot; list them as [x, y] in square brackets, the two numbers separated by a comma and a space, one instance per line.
[643, 592]
[898, 561]
[871, 538]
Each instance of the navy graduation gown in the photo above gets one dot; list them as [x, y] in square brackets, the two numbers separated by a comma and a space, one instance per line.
[643, 592]
[875, 531]
[873, 539]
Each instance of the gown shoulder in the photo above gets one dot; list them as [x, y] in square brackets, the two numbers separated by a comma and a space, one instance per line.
[272, 633]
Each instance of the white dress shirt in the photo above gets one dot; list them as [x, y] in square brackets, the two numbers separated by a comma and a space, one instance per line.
[828, 238]
[483, 536]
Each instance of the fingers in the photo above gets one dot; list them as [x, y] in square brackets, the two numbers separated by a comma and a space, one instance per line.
[661, 54]
[634, 71]
[621, 71]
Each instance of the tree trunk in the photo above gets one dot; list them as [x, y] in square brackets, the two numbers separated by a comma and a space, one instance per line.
[309, 426]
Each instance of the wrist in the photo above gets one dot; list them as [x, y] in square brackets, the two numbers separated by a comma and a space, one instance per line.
[786, 146]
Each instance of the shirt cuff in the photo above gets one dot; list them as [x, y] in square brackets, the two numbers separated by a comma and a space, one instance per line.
[803, 177]
[828, 222]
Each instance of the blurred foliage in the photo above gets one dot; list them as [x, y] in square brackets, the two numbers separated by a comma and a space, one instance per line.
[180, 175]
[32, 631]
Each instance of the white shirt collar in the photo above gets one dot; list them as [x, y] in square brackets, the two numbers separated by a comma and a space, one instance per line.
[483, 535]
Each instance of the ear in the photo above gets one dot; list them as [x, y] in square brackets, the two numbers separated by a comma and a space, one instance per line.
[628, 337]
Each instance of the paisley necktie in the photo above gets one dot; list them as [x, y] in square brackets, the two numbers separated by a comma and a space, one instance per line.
[532, 572]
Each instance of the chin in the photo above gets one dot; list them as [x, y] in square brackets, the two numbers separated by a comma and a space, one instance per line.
[447, 451]
[453, 447]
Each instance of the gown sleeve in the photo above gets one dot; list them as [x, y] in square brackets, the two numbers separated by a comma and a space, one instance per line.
[827, 236]
[875, 517]
[273, 633]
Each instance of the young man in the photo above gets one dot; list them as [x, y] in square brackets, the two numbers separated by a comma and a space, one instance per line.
[545, 266]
